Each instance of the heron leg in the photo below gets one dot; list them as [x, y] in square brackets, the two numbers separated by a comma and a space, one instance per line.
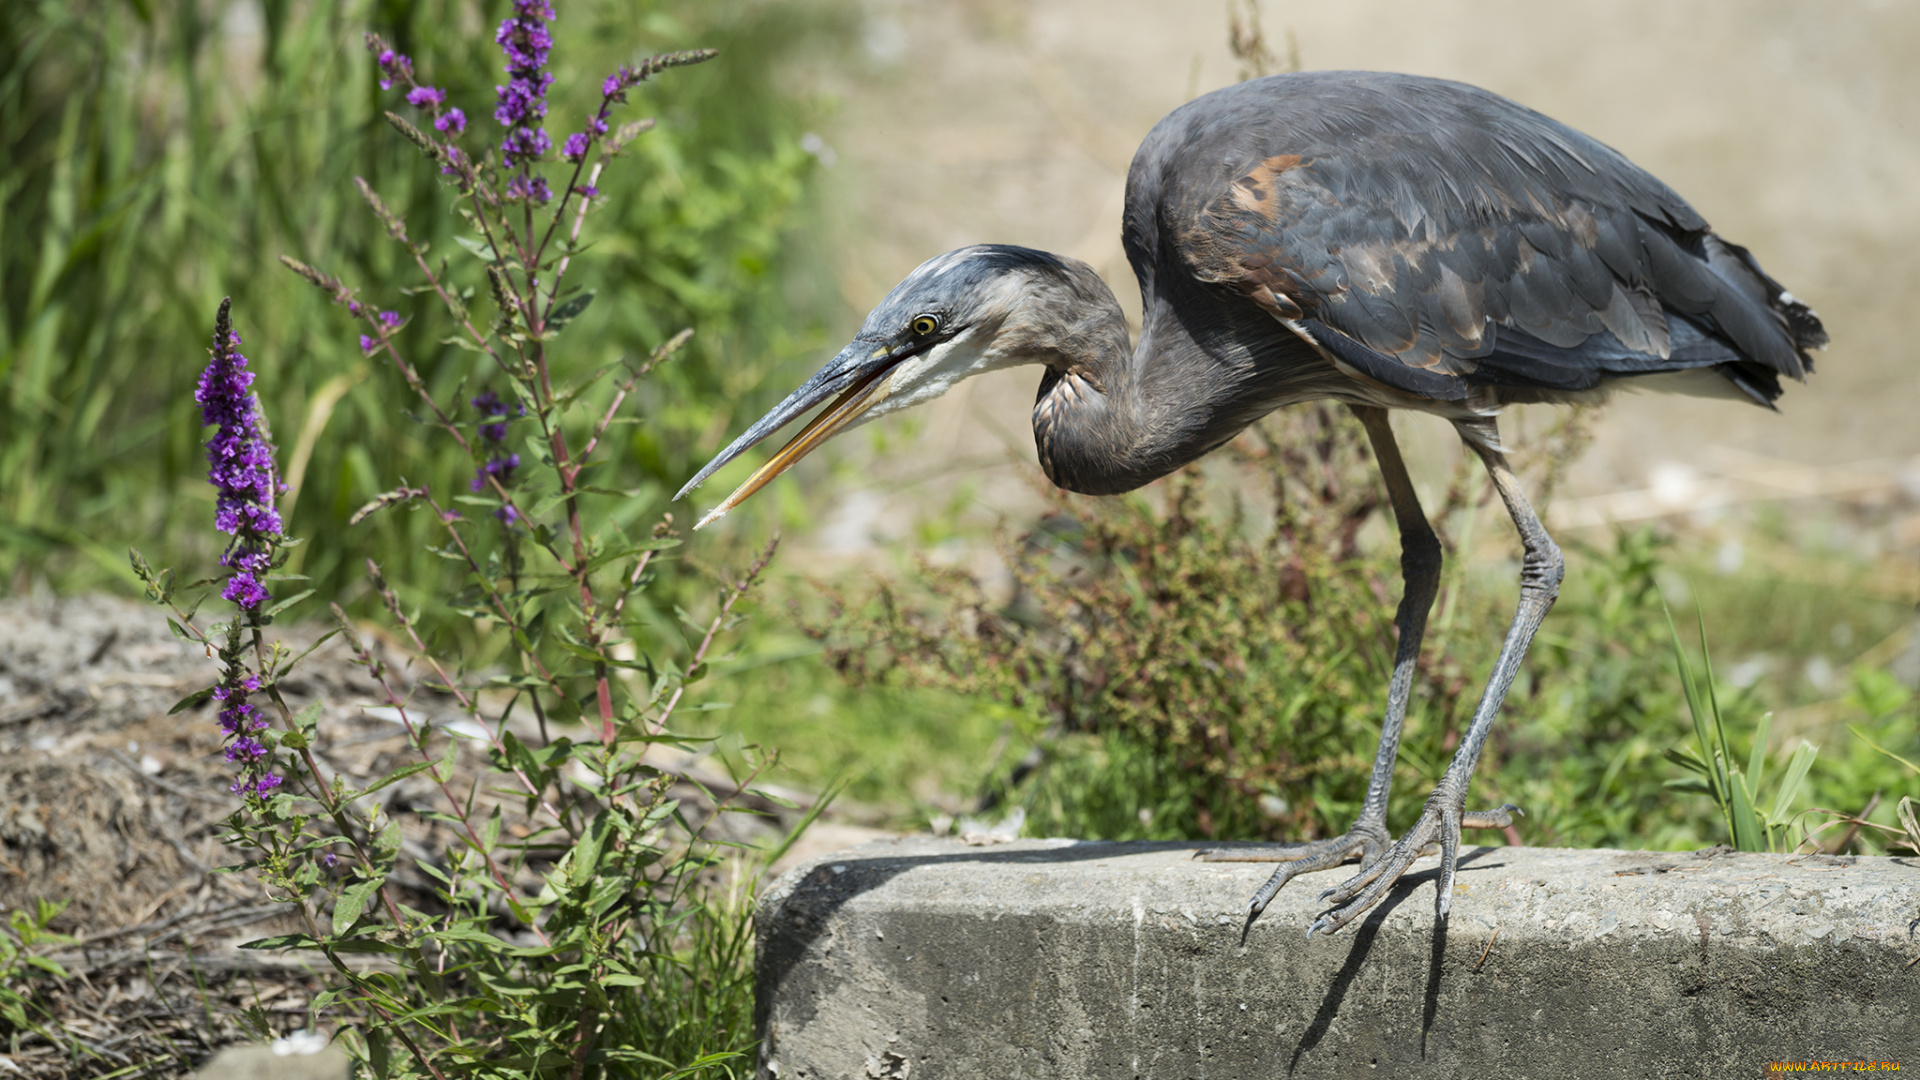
[1420, 572]
[1541, 570]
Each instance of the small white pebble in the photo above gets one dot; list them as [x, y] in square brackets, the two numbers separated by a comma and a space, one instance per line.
[300, 1042]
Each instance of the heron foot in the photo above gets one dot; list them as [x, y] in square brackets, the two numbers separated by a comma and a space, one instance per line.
[1440, 826]
[1365, 841]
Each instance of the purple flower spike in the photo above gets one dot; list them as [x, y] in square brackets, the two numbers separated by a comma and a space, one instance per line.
[241, 468]
[453, 122]
[393, 66]
[426, 97]
[576, 146]
[522, 102]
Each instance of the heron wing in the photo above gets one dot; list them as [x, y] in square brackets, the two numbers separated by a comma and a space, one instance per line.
[1439, 238]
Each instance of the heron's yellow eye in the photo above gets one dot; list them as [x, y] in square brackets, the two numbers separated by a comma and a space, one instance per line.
[925, 324]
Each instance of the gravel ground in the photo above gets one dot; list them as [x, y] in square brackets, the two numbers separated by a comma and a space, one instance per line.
[110, 804]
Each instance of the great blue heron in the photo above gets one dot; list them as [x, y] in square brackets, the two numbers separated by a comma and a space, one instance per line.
[1385, 241]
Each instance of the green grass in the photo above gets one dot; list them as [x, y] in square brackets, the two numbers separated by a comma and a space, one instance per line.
[162, 156]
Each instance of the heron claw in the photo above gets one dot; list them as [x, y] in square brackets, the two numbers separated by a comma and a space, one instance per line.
[1439, 824]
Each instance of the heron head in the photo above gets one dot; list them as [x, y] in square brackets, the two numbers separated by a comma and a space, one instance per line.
[976, 309]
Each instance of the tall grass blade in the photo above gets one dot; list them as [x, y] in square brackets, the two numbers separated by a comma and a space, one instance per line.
[1790, 782]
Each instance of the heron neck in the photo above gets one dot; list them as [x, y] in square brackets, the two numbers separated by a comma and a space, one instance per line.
[1100, 422]
[1111, 418]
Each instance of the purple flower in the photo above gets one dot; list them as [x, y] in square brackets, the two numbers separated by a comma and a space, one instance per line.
[257, 788]
[390, 319]
[246, 750]
[367, 344]
[240, 466]
[522, 102]
[393, 66]
[575, 147]
[500, 467]
[587, 191]
[533, 189]
[617, 83]
[453, 122]
[426, 97]
[490, 406]
[507, 514]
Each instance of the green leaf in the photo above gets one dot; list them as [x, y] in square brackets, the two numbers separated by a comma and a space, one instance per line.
[568, 310]
[351, 903]
[397, 775]
[1757, 757]
[386, 845]
[191, 700]
[1747, 833]
[307, 720]
[287, 603]
[588, 851]
[1797, 767]
[484, 251]
[283, 941]
[490, 832]
[519, 910]
[1686, 759]
[1862, 736]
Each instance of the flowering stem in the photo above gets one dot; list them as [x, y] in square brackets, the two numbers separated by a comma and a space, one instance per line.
[329, 799]
[378, 671]
[573, 237]
[471, 706]
[734, 594]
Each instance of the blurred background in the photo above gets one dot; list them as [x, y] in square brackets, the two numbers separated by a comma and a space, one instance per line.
[162, 155]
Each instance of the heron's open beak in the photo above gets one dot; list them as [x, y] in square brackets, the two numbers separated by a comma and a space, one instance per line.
[858, 375]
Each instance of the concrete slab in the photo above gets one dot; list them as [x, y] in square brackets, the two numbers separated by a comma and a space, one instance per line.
[926, 958]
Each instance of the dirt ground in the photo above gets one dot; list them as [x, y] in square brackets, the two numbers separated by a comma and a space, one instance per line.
[112, 805]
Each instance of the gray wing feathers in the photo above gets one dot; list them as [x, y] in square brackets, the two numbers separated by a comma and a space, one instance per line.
[1435, 224]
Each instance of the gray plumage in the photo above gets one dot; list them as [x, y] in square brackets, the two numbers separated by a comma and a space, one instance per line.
[1386, 241]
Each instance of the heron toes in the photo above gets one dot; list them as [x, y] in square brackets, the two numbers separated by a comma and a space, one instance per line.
[1365, 841]
[1500, 817]
[1439, 824]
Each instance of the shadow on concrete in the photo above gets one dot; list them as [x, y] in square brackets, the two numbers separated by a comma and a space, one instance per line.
[813, 899]
[1363, 939]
